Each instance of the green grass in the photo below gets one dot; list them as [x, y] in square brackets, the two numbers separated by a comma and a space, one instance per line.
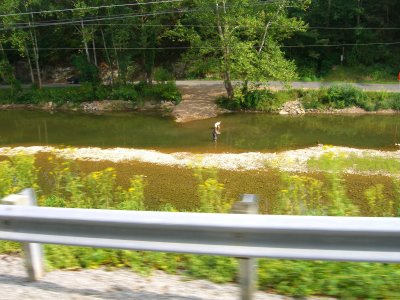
[361, 74]
[356, 163]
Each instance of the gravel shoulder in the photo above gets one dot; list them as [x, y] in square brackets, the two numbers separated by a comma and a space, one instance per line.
[118, 285]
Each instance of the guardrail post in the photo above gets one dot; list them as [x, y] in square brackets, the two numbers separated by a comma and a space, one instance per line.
[247, 266]
[33, 252]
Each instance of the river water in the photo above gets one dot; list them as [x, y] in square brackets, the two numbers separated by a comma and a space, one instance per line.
[240, 132]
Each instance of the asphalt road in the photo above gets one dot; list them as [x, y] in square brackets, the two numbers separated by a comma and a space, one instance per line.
[274, 84]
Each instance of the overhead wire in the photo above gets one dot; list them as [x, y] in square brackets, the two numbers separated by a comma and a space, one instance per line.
[88, 8]
[123, 16]
[208, 47]
[25, 25]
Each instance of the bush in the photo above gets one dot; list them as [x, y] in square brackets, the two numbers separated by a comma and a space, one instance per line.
[88, 72]
[83, 94]
[163, 75]
[261, 100]
[159, 92]
[124, 92]
[312, 99]
[227, 103]
[394, 100]
[6, 96]
[341, 96]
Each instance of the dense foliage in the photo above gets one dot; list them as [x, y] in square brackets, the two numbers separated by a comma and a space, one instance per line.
[137, 93]
[364, 32]
[250, 40]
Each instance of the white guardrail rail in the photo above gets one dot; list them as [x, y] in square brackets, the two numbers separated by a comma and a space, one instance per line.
[237, 235]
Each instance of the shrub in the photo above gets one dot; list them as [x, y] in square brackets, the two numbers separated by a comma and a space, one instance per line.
[227, 103]
[102, 92]
[133, 198]
[378, 205]
[159, 92]
[17, 173]
[163, 75]
[88, 72]
[300, 195]
[211, 192]
[6, 96]
[394, 100]
[341, 96]
[124, 92]
[334, 165]
[262, 100]
[312, 99]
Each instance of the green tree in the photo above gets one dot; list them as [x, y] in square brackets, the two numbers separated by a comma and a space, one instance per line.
[243, 38]
[22, 33]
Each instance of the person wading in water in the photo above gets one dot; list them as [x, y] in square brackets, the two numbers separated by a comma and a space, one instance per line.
[216, 131]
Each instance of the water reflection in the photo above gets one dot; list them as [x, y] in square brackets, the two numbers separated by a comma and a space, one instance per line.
[240, 132]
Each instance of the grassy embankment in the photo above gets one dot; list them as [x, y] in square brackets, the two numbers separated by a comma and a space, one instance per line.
[108, 185]
[360, 74]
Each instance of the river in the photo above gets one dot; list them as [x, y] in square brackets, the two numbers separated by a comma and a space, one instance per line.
[240, 132]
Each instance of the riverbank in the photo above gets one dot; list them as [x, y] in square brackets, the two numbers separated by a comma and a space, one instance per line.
[199, 99]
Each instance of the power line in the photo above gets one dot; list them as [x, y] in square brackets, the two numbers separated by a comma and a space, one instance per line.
[26, 25]
[355, 28]
[73, 22]
[341, 45]
[215, 26]
[88, 8]
[205, 47]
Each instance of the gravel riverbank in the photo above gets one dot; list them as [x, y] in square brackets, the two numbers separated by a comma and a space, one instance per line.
[117, 285]
[292, 160]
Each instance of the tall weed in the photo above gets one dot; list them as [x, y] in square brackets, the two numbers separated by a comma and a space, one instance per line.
[18, 173]
[300, 195]
[378, 205]
[211, 192]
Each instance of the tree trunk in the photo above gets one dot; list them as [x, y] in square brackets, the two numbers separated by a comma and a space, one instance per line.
[228, 84]
[265, 35]
[226, 55]
[36, 57]
[116, 54]
[94, 52]
[35, 49]
[2, 51]
[85, 42]
[107, 56]
[28, 56]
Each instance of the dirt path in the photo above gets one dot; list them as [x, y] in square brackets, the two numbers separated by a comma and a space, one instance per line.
[198, 102]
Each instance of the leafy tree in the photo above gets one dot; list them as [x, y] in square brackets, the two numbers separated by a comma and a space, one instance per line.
[26, 38]
[243, 38]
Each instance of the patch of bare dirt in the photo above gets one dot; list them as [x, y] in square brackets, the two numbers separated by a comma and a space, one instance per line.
[198, 102]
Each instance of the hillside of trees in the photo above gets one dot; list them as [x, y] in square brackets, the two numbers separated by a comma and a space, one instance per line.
[228, 39]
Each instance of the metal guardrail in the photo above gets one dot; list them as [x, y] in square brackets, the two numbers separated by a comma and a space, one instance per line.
[236, 235]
